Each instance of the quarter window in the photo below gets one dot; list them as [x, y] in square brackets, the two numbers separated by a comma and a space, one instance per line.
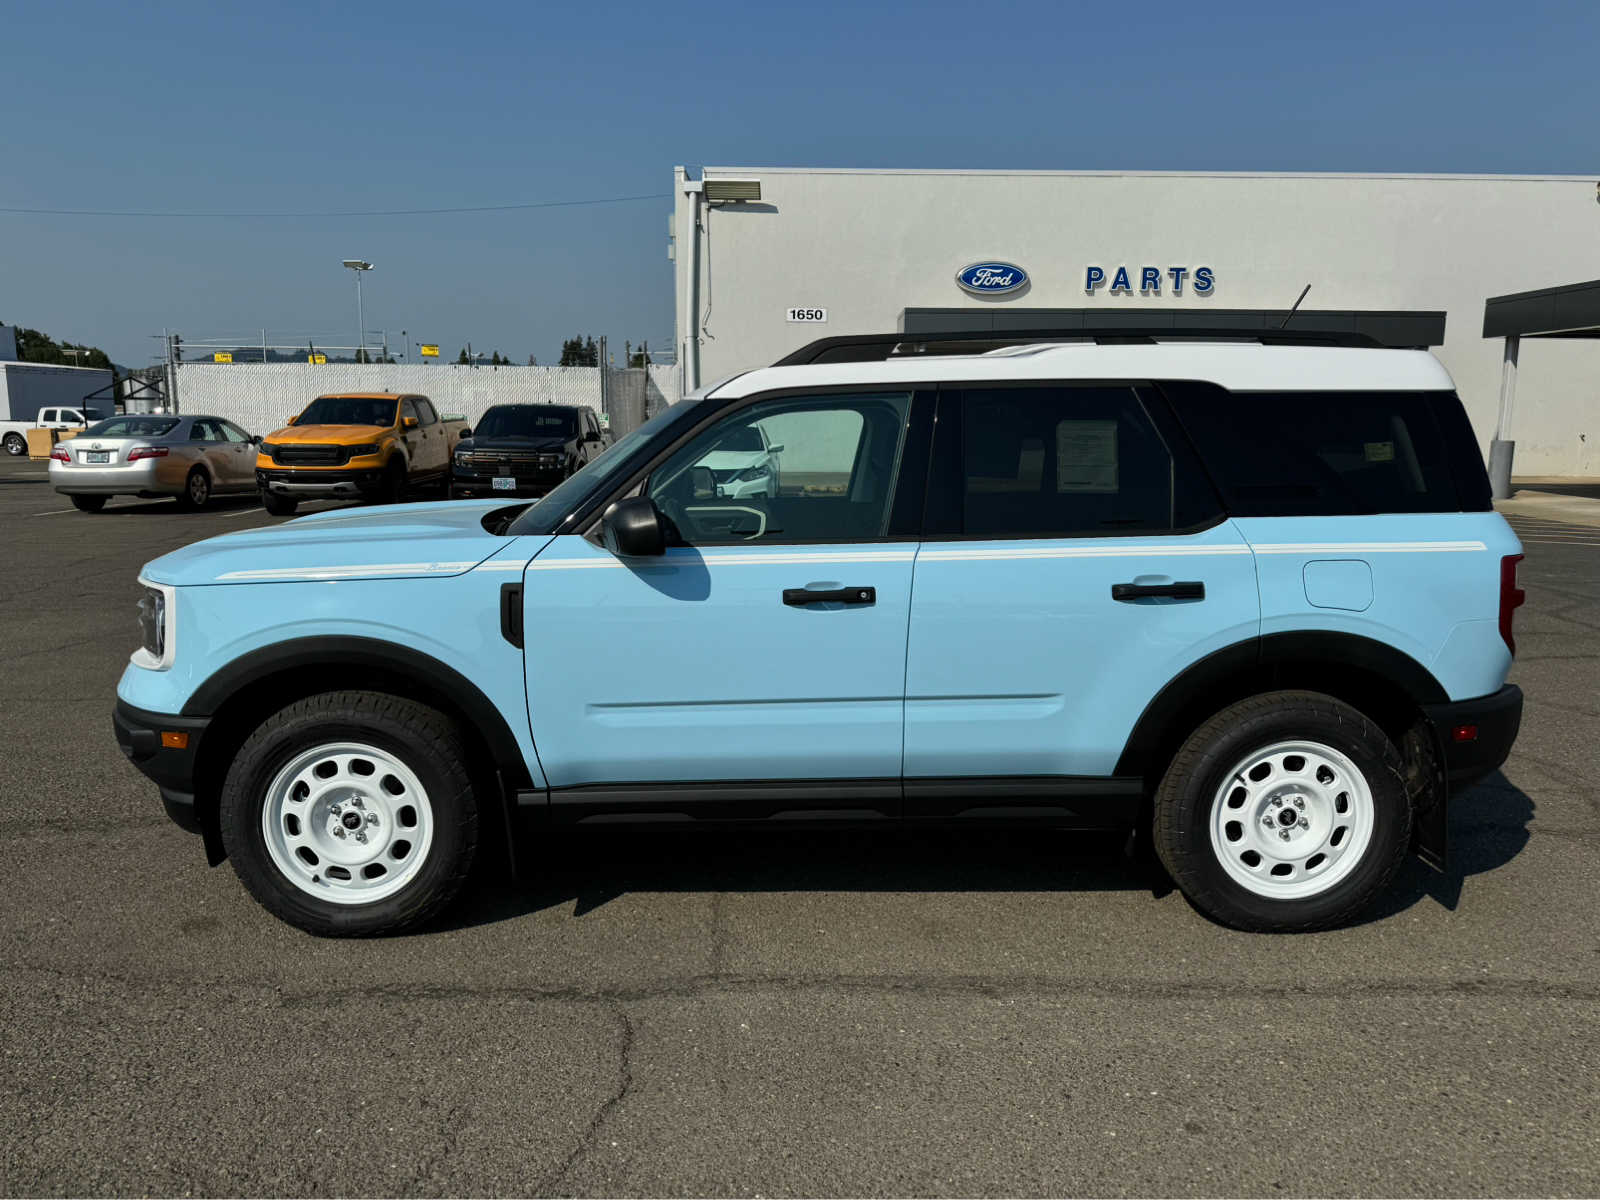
[819, 468]
[1065, 462]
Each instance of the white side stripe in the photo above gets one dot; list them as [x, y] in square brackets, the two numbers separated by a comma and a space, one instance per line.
[986, 554]
[427, 568]
[1369, 547]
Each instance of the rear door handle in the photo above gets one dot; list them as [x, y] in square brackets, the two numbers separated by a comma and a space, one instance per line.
[1192, 589]
[849, 595]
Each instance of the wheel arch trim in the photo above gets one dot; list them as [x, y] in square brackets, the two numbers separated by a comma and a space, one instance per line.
[1268, 662]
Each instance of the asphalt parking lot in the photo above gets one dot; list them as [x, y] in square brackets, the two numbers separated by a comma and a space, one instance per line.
[794, 1014]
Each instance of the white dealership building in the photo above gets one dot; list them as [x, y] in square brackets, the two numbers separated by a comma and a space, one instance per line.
[769, 259]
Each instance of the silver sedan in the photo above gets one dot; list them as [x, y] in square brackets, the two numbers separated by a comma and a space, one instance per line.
[192, 458]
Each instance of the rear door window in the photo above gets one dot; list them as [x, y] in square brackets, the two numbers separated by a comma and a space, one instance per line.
[1059, 461]
[1332, 453]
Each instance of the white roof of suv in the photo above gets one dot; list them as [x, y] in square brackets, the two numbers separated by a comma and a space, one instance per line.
[1237, 366]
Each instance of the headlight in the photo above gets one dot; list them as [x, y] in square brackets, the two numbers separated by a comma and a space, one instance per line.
[751, 474]
[363, 451]
[270, 449]
[157, 617]
[463, 457]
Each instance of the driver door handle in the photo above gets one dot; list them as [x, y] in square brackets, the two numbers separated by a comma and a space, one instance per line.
[849, 595]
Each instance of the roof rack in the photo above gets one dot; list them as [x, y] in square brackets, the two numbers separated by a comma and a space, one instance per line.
[876, 347]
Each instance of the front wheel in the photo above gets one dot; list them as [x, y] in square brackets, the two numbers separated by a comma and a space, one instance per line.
[279, 506]
[351, 813]
[1285, 812]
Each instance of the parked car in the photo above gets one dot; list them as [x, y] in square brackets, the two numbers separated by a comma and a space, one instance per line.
[525, 449]
[745, 463]
[371, 445]
[191, 457]
[1248, 603]
[14, 433]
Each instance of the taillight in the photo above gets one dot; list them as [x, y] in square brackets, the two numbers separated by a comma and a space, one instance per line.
[59, 454]
[139, 452]
[1511, 598]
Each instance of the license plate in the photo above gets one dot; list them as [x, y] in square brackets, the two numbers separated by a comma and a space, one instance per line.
[97, 456]
[504, 483]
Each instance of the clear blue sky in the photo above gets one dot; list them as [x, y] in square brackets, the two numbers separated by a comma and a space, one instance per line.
[295, 107]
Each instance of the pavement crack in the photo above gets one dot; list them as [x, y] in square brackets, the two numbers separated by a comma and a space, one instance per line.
[603, 1113]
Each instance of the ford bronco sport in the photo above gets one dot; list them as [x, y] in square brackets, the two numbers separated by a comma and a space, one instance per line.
[1248, 601]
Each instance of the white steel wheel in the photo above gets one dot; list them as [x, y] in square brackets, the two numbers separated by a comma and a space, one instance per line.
[347, 823]
[1291, 820]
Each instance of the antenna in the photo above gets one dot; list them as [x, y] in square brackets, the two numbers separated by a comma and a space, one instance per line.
[1296, 307]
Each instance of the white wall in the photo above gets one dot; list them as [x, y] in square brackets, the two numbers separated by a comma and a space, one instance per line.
[867, 244]
[261, 396]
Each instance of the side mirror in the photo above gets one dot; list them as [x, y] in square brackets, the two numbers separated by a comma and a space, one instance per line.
[591, 436]
[255, 439]
[467, 432]
[778, 449]
[408, 422]
[702, 483]
[632, 528]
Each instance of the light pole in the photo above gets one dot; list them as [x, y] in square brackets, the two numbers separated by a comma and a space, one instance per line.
[358, 266]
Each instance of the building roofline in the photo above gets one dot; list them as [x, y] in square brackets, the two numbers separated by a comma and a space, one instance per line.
[1381, 176]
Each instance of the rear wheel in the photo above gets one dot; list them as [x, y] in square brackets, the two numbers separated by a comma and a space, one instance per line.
[88, 503]
[1284, 812]
[279, 506]
[351, 813]
[196, 492]
[16, 445]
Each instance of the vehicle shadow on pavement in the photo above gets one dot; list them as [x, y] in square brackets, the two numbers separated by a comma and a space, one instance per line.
[170, 505]
[587, 870]
[1488, 828]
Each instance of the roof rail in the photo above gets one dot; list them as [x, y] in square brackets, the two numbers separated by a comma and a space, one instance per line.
[876, 347]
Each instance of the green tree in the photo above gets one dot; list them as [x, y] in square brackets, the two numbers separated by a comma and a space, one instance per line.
[461, 359]
[33, 346]
[580, 352]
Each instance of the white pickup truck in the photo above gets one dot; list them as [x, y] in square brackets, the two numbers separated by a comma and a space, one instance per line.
[14, 434]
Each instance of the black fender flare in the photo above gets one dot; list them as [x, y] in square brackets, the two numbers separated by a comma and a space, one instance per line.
[373, 653]
[1263, 664]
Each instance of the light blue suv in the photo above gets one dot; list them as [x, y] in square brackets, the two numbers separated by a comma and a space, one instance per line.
[1247, 601]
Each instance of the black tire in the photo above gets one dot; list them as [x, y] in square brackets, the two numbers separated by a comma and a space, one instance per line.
[16, 445]
[279, 506]
[429, 745]
[1195, 778]
[88, 503]
[393, 490]
[196, 492]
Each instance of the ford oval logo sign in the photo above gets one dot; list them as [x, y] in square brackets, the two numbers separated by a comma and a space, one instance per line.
[991, 278]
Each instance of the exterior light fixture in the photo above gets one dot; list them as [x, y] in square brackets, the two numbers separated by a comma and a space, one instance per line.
[736, 190]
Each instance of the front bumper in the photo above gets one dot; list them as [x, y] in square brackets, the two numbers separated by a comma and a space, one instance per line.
[320, 481]
[530, 481]
[1475, 736]
[172, 769]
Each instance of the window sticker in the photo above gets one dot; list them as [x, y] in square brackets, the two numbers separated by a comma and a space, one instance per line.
[1380, 451]
[1086, 456]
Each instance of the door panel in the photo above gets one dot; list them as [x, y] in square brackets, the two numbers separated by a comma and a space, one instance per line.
[1021, 662]
[692, 667]
[711, 662]
[1075, 561]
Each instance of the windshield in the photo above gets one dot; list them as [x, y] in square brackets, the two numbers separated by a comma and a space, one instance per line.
[348, 410]
[548, 514]
[131, 427]
[527, 420]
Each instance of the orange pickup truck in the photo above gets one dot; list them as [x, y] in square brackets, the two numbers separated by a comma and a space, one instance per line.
[373, 445]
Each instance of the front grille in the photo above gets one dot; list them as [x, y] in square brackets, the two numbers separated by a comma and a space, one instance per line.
[527, 460]
[311, 456]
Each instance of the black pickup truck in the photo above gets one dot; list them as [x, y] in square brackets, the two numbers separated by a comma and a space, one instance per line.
[525, 449]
